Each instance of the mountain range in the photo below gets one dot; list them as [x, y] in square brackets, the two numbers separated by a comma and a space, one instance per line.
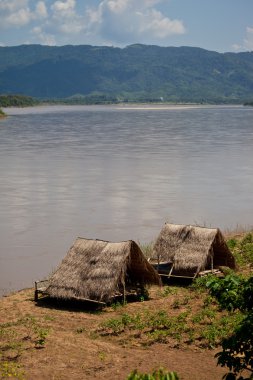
[134, 73]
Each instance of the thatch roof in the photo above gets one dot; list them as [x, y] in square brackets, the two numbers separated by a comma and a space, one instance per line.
[192, 249]
[98, 270]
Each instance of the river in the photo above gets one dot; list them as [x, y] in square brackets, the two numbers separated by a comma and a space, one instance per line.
[116, 173]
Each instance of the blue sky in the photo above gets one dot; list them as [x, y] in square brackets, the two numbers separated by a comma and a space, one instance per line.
[220, 25]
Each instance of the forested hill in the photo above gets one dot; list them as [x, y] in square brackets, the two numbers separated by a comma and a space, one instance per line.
[137, 72]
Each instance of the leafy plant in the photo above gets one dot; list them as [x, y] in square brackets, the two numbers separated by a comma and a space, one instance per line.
[159, 374]
[40, 340]
[168, 290]
[118, 305]
[152, 326]
[226, 290]
[35, 332]
[199, 283]
[237, 354]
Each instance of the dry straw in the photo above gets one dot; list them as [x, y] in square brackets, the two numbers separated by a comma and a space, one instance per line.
[192, 249]
[99, 270]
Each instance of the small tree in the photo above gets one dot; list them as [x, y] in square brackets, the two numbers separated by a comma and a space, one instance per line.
[234, 292]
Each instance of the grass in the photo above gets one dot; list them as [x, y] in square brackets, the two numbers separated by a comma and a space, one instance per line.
[147, 249]
[16, 337]
[242, 250]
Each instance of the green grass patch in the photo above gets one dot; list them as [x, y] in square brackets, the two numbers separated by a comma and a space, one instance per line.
[242, 249]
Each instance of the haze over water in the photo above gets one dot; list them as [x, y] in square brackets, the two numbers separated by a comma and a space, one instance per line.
[116, 173]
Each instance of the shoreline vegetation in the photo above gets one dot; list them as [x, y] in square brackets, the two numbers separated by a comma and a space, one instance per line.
[184, 328]
[16, 100]
[2, 114]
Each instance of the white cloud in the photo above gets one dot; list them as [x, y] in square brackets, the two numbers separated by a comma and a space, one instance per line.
[127, 21]
[160, 26]
[41, 9]
[236, 47]
[17, 13]
[64, 8]
[44, 38]
[117, 6]
[248, 41]
[117, 22]
[65, 17]
[12, 5]
[19, 18]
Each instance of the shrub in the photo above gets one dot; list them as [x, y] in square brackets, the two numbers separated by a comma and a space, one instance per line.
[237, 353]
[227, 290]
[159, 374]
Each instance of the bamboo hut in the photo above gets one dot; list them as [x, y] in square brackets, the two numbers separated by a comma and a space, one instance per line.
[188, 251]
[99, 270]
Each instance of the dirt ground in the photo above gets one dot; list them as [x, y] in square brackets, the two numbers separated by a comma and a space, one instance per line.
[73, 349]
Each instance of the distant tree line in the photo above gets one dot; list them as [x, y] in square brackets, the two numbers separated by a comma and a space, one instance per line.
[24, 101]
[2, 114]
[250, 103]
[17, 101]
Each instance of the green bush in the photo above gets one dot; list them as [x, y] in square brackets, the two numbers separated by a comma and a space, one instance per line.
[227, 290]
[242, 249]
[159, 374]
[237, 349]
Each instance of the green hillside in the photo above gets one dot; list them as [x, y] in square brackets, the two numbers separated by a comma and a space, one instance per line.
[137, 72]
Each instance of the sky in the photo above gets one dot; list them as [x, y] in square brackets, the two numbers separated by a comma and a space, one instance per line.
[218, 25]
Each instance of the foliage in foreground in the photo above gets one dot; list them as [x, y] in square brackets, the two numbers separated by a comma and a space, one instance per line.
[159, 374]
[237, 352]
[235, 293]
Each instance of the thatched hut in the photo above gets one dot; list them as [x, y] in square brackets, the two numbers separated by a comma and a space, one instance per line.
[100, 270]
[188, 250]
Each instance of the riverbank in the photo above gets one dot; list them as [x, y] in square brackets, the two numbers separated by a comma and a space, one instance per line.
[2, 114]
[58, 340]
[52, 340]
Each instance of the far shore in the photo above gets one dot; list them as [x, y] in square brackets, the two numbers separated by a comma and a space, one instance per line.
[2, 114]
